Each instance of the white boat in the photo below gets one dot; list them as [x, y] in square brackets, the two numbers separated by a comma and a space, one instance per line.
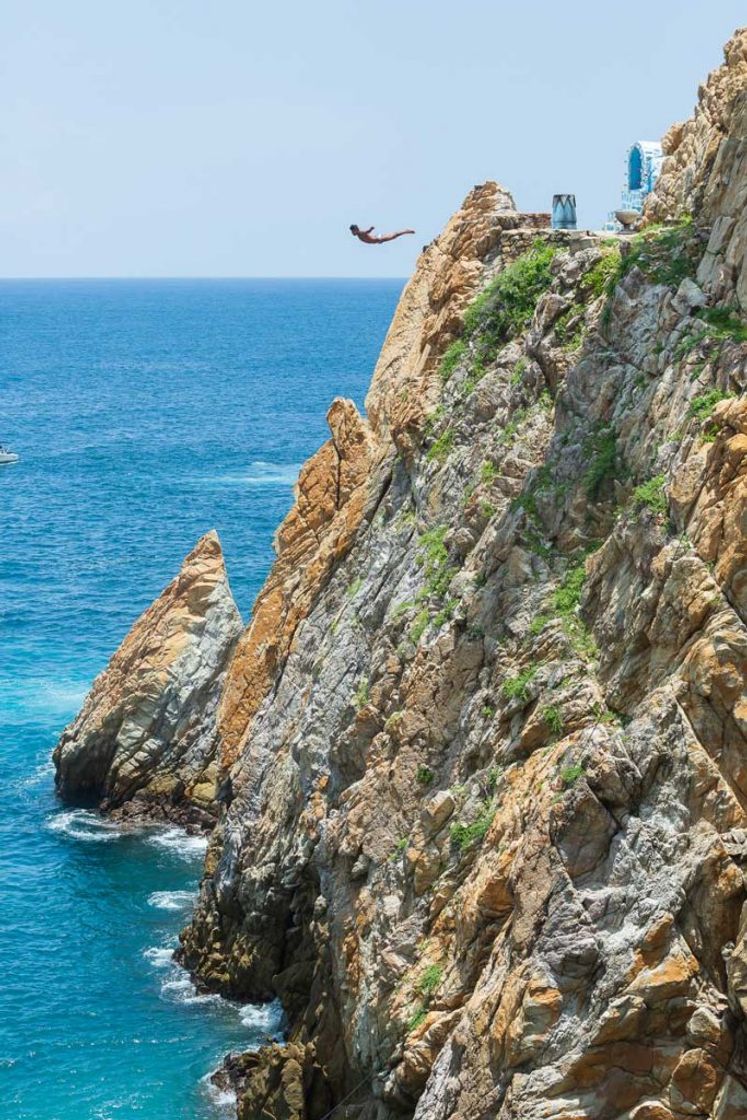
[7, 456]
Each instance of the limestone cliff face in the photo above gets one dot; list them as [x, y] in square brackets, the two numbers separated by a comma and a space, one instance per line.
[331, 501]
[485, 833]
[428, 318]
[340, 486]
[144, 744]
[489, 829]
[706, 172]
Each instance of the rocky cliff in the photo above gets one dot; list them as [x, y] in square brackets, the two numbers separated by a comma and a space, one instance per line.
[144, 745]
[485, 737]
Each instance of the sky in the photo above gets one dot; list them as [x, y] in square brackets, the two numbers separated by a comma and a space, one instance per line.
[233, 138]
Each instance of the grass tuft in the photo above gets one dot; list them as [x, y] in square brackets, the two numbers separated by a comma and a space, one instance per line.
[553, 718]
[724, 323]
[652, 494]
[465, 835]
[440, 449]
[429, 980]
[664, 254]
[702, 406]
[570, 775]
[451, 359]
[488, 472]
[419, 625]
[601, 448]
[515, 688]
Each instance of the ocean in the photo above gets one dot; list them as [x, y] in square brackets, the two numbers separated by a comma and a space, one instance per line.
[145, 413]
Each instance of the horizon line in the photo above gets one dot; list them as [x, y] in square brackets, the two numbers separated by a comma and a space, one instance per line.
[41, 279]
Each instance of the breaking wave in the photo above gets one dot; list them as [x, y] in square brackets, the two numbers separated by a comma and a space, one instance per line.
[82, 824]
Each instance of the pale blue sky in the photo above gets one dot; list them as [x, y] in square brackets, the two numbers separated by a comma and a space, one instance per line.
[186, 138]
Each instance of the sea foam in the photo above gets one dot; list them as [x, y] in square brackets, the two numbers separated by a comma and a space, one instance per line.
[265, 1018]
[258, 474]
[159, 956]
[179, 842]
[171, 900]
[82, 824]
[222, 1100]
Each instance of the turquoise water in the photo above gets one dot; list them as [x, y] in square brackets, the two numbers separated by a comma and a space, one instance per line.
[145, 413]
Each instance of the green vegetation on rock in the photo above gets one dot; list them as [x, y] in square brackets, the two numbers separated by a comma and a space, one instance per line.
[570, 774]
[488, 472]
[725, 323]
[701, 407]
[424, 775]
[511, 428]
[518, 371]
[665, 254]
[553, 718]
[652, 494]
[538, 624]
[507, 305]
[601, 450]
[433, 557]
[570, 328]
[429, 980]
[602, 276]
[419, 625]
[567, 597]
[515, 688]
[565, 602]
[465, 835]
[440, 448]
[362, 693]
[451, 359]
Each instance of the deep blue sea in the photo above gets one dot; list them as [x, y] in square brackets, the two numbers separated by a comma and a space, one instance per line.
[145, 413]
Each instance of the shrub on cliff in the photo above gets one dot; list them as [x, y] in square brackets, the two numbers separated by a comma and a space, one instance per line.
[451, 359]
[507, 305]
[652, 494]
[664, 254]
[725, 324]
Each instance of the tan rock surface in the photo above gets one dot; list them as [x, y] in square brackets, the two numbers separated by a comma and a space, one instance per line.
[331, 498]
[486, 730]
[428, 317]
[144, 743]
[706, 172]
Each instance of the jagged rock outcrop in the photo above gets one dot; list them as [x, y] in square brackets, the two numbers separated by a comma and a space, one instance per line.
[144, 744]
[488, 840]
[486, 733]
[340, 486]
[332, 498]
[706, 172]
[429, 314]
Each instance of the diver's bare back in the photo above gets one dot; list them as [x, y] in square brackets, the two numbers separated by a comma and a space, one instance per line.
[368, 237]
